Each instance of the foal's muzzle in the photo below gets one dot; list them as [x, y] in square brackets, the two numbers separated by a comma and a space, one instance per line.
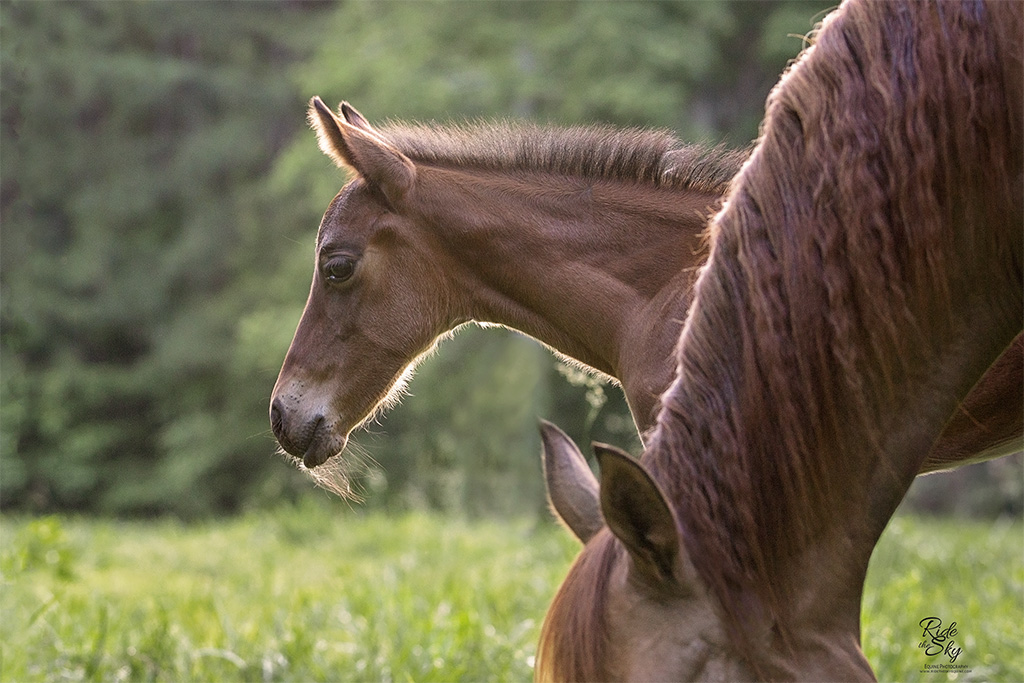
[303, 440]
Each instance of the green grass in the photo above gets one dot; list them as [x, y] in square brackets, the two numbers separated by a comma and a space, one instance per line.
[307, 594]
[971, 573]
[312, 593]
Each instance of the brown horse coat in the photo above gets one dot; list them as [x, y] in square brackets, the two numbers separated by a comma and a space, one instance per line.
[866, 270]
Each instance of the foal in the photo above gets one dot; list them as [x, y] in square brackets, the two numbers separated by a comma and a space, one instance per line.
[585, 239]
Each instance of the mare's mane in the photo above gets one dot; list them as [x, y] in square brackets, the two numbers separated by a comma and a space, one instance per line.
[575, 634]
[889, 147]
[598, 152]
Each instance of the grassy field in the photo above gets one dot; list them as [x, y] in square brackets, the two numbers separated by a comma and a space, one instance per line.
[317, 594]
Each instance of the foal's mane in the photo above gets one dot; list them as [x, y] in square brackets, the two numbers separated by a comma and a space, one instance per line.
[600, 152]
[887, 150]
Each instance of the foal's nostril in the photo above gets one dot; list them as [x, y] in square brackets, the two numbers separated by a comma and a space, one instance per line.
[276, 420]
[296, 437]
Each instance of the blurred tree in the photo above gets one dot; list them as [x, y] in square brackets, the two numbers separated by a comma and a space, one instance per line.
[129, 140]
[702, 69]
[159, 196]
[466, 439]
[158, 230]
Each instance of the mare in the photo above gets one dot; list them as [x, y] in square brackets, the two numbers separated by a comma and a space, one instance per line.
[586, 239]
[866, 269]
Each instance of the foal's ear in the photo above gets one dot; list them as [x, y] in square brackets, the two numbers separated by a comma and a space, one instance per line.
[638, 514]
[572, 487]
[359, 147]
[349, 114]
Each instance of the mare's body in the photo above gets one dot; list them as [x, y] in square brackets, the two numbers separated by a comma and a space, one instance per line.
[865, 272]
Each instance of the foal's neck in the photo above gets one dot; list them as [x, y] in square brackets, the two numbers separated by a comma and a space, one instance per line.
[598, 270]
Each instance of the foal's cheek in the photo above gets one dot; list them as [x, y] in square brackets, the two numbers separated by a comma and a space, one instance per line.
[336, 311]
[401, 316]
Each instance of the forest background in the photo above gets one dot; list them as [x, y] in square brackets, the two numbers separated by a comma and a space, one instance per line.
[159, 197]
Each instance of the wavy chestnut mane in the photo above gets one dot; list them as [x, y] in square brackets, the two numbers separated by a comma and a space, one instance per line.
[886, 181]
[600, 152]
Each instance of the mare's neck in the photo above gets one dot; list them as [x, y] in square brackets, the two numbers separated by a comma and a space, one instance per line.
[598, 270]
[823, 626]
[807, 473]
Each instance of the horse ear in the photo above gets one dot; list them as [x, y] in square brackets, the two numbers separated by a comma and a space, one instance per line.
[362, 149]
[572, 487]
[349, 114]
[638, 513]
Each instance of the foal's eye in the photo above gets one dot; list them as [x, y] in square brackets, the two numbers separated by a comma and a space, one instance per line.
[339, 270]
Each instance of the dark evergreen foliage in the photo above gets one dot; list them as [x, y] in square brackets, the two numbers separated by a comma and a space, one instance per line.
[159, 196]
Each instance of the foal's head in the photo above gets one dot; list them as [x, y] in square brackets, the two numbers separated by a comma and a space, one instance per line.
[377, 299]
